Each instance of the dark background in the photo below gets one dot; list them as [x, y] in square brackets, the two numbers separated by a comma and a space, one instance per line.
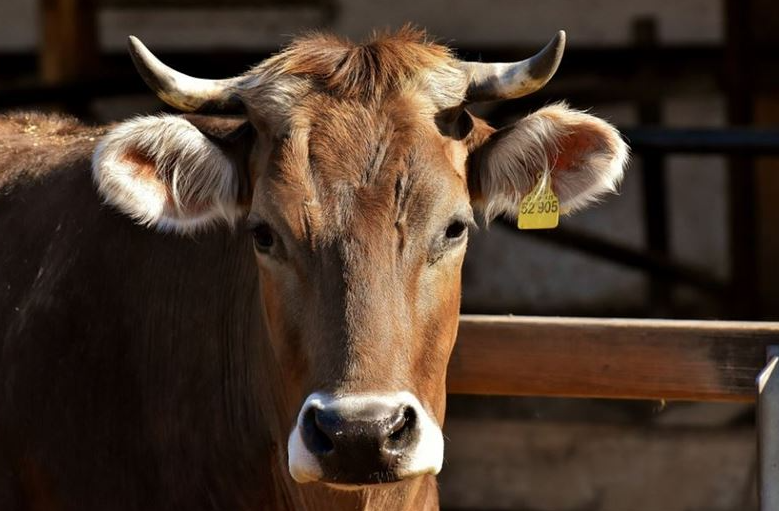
[694, 86]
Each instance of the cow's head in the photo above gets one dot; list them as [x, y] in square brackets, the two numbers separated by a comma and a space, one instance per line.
[356, 168]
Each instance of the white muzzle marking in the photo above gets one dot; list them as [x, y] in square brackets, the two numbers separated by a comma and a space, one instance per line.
[425, 457]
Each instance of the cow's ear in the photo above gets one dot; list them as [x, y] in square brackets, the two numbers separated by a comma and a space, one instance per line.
[584, 156]
[174, 173]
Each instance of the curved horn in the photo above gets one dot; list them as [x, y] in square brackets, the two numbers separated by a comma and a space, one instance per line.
[514, 79]
[181, 91]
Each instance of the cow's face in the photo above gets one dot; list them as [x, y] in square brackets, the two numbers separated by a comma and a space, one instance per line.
[360, 217]
[356, 173]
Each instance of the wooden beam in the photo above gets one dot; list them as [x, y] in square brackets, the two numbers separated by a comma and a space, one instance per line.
[766, 113]
[68, 46]
[741, 67]
[654, 180]
[609, 358]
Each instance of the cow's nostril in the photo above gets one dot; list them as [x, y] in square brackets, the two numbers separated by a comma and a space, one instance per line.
[404, 426]
[315, 438]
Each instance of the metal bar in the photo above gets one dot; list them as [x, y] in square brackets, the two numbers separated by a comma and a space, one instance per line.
[768, 432]
[703, 141]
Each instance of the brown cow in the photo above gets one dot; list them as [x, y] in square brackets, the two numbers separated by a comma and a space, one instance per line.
[177, 367]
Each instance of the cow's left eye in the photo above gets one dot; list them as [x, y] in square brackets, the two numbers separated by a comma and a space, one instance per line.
[452, 237]
[456, 229]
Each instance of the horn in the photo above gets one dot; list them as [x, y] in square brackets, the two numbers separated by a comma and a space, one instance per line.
[493, 81]
[184, 92]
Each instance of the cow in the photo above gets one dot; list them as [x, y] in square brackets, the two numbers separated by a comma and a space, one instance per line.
[250, 305]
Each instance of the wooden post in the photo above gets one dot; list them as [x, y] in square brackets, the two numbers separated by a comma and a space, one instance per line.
[654, 178]
[68, 48]
[752, 28]
[752, 31]
[740, 83]
[766, 113]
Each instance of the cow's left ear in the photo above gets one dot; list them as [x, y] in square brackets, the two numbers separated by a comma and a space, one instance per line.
[584, 156]
[174, 173]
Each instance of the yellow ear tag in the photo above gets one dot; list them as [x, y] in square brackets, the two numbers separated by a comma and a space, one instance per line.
[539, 209]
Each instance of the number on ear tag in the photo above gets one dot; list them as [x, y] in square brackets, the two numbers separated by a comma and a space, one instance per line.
[539, 209]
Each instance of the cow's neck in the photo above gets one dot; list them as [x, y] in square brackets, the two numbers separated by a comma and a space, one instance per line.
[420, 494]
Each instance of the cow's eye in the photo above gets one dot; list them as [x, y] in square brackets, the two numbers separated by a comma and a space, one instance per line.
[450, 238]
[264, 237]
[456, 229]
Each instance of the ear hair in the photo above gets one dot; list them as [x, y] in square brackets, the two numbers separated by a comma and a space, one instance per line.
[582, 155]
[162, 171]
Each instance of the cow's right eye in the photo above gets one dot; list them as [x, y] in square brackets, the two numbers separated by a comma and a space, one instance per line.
[264, 237]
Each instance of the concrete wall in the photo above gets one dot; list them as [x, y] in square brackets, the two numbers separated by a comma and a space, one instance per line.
[564, 466]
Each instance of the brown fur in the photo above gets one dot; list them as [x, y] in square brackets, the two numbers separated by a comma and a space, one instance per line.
[384, 63]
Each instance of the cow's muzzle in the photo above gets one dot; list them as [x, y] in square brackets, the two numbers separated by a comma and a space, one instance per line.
[364, 439]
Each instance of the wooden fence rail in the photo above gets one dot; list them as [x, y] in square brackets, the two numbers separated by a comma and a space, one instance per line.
[610, 358]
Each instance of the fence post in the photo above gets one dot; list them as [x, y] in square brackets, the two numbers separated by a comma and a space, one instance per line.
[768, 432]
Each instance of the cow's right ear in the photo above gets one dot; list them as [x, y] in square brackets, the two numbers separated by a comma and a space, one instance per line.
[174, 173]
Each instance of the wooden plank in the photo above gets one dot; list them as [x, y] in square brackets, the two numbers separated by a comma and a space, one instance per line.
[609, 358]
